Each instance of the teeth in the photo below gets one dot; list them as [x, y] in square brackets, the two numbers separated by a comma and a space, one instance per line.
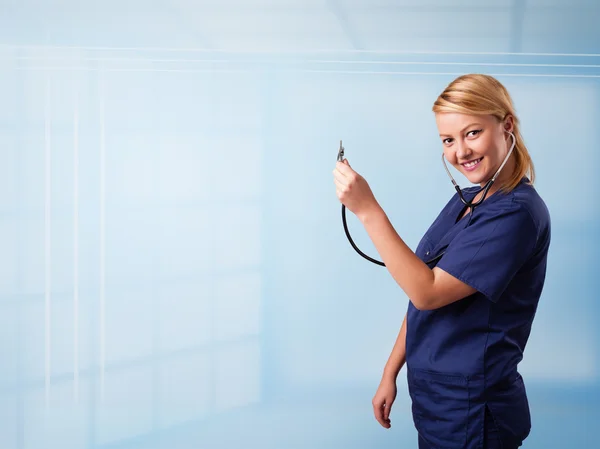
[472, 164]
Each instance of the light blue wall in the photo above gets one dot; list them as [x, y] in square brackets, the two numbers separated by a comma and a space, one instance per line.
[173, 267]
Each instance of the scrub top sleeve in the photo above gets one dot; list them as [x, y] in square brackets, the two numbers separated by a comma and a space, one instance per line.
[488, 253]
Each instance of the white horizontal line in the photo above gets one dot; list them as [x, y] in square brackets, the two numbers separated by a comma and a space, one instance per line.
[288, 52]
[320, 61]
[357, 72]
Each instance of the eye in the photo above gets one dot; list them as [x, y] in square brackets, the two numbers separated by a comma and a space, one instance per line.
[474, 132]
[447, 141]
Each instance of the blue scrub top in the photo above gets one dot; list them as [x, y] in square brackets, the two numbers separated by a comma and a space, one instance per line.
[463, 357]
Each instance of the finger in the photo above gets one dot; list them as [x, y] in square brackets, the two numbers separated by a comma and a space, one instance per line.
[378, 412]
[378, 409]
[383, 420]
[340, 186]
[340, 177]
[387, 410]
[386, 422]
[344, 167]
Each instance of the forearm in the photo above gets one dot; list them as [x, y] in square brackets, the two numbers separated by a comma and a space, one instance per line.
[397, 358]
[412, 275]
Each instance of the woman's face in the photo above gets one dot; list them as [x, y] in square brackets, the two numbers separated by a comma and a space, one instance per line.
[475, 145]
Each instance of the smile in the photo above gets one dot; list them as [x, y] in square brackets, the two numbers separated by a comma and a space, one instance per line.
[471, 165]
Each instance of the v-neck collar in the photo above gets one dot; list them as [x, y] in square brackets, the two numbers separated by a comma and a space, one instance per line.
[469, 193]
[455, 224]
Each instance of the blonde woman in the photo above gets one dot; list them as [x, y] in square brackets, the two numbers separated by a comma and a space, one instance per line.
[474, 281]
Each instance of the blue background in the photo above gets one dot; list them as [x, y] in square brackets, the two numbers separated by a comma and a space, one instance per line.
[173, 268]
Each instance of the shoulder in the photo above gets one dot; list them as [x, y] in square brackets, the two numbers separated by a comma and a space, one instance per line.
[526, 197]
[522, 210]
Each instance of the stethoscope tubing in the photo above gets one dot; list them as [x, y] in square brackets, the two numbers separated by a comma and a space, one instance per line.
[471, 205]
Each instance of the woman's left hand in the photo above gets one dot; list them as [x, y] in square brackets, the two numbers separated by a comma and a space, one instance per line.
[353, 190]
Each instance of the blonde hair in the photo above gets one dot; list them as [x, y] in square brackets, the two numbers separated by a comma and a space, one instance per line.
[477, 94]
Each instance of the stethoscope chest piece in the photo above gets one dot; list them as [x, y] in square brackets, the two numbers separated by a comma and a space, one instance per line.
[340, 156]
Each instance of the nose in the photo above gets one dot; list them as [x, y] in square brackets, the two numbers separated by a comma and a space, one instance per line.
[462, 150]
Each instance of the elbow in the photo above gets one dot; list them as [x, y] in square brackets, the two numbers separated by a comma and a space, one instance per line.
[423, 303]
[423, 291]
[434, 302]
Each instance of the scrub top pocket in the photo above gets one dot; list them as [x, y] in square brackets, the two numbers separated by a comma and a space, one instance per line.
[424, 248]
[440, 406]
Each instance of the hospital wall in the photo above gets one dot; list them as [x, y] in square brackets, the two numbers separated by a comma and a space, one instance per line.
[173, 267]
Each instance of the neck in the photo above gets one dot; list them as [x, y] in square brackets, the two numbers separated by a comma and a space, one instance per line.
[502, 178]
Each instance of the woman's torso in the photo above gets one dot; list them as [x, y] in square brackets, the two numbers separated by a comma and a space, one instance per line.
[464, 356]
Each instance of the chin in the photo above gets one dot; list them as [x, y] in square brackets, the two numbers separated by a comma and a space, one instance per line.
[476, 178]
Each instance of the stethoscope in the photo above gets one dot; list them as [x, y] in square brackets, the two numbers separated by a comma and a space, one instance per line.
[469, 204]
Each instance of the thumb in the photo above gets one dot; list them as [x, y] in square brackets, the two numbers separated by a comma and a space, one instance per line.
[347, 163]
[387, 409]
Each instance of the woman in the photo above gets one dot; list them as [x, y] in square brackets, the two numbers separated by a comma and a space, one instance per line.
[473, 282]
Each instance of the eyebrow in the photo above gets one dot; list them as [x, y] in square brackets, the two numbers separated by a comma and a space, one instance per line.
[462, 130]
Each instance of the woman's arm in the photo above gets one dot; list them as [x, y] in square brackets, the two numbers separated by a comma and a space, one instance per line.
[426, 288]
[386, 392]
[397, 357]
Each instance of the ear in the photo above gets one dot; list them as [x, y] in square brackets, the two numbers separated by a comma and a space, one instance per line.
[508, 124]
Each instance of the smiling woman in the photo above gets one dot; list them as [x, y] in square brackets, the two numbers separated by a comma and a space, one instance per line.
[474, 115]
[474, 281]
